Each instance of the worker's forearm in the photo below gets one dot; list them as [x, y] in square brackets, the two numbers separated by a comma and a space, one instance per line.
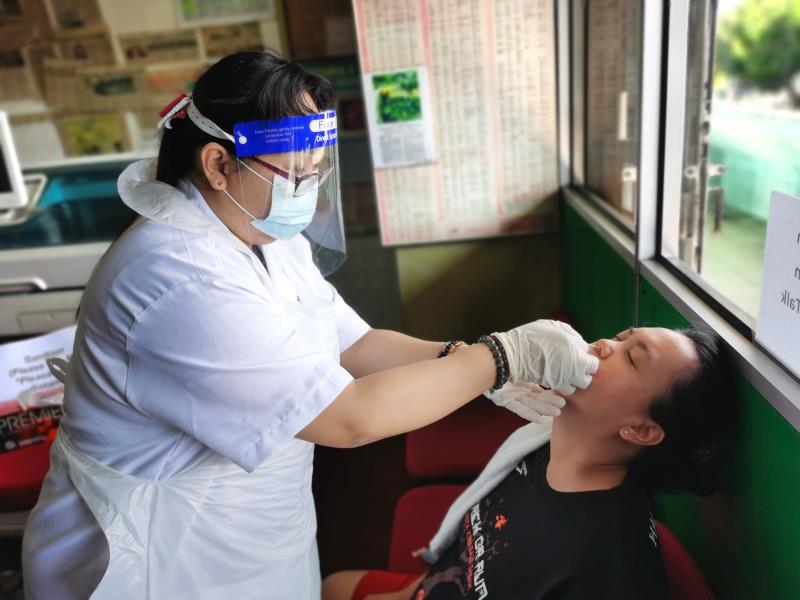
[381, 349]
[409, 397]
[404, 398]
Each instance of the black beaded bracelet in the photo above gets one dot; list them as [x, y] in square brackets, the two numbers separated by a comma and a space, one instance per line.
[449, 348]
[501, 363]
[503, 353]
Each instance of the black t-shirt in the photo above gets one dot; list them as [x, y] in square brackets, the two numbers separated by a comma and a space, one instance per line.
[525, 540]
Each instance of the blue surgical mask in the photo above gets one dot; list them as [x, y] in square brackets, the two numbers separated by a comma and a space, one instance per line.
[288, 214]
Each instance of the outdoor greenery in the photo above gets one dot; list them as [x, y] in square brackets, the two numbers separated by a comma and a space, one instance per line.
[759, 44]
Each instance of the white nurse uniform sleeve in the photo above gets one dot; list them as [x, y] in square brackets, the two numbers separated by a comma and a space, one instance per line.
[349, 326]
[223, 365]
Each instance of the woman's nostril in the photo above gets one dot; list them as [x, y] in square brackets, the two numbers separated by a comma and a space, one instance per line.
[603, 348]
[597, 349]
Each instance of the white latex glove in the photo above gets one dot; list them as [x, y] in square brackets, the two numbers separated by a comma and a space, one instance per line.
[527, 400]
[551, 354]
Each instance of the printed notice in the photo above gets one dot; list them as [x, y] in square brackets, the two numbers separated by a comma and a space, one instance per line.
[149, 48]
[31, 397]
[193, 13]
[473, 152]
[778, 327]
[399, 117]
[25, 379]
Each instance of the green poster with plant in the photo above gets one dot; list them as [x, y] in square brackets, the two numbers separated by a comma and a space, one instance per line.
[398, 96]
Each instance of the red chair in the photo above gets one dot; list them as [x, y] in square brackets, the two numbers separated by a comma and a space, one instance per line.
[21, 474]
[420, 511]
[416, 518]
[683, 575]
[461, 443]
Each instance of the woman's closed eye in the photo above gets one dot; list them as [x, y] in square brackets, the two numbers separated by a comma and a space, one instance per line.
[627, 352]
[624, 335]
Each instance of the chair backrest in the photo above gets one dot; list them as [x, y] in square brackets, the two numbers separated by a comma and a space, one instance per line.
[21, 474]
[686, 581]
[417, 516]
[420, 510]
[460, 444]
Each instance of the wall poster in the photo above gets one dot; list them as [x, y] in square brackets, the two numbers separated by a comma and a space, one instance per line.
[487, 163]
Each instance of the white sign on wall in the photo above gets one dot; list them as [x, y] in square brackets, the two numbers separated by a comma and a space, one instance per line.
[25, 379]
[778, 327]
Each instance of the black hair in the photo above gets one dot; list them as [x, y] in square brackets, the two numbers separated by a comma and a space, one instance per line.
[246, 86]
[698, 418]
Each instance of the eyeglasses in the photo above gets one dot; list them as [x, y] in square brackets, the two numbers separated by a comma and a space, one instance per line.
[302, 184]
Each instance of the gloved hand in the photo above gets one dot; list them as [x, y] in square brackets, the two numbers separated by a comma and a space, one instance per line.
[551, 354]
[527, 400]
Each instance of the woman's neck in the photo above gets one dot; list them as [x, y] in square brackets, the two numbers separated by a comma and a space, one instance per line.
[580, 461]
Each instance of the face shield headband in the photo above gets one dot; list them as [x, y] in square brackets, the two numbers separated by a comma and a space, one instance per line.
[304, 201]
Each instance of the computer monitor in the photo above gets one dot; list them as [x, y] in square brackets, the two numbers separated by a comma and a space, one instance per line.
[13, 193]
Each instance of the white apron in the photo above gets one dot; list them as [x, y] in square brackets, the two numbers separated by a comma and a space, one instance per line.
[206, 533]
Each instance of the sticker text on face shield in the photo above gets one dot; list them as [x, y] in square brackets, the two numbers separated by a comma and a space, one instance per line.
[290, 134]
[325, 124]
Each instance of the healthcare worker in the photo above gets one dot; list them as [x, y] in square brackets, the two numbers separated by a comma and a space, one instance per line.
[211, 355]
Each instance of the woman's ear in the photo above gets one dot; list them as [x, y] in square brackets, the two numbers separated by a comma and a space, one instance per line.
[214, 164]
[648, 433]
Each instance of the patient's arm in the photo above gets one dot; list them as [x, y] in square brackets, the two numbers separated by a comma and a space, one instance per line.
[404, 594]
[341, 585]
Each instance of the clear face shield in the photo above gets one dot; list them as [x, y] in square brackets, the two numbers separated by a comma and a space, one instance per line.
[289, 180]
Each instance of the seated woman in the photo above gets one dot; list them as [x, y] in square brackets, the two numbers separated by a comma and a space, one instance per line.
[562, 510]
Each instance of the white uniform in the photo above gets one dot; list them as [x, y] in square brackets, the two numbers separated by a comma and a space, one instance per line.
[176, 473]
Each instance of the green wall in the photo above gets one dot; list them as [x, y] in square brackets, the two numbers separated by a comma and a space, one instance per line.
[597, 284]
[745, 538]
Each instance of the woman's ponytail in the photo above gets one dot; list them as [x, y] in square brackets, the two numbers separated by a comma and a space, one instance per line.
[174, 153]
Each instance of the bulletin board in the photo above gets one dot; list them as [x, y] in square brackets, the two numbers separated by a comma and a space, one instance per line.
[88, 77]
[461, 109]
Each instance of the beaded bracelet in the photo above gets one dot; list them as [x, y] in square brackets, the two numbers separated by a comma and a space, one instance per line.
[449, 347]
[500, 360]
[503, 353]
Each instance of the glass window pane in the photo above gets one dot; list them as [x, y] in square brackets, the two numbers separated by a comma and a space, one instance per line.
[613, 80]
[742, 138]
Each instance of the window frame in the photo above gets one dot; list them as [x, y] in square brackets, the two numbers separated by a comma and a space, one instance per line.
[676, 32]
[578, 10]
[662, 118]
